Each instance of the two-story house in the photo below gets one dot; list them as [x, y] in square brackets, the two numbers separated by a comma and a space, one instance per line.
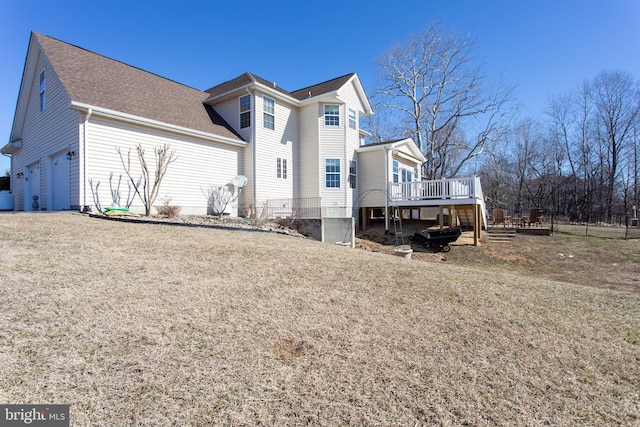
[80, 114]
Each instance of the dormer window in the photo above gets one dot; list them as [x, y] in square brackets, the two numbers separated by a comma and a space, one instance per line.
[245, 111]
[331, 115]
[43, 98]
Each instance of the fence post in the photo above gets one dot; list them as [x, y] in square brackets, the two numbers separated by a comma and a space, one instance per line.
[626, 227]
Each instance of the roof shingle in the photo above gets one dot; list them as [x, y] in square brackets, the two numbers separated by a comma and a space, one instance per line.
[96, 80]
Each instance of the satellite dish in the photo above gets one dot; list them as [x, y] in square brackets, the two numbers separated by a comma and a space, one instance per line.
[239, 181]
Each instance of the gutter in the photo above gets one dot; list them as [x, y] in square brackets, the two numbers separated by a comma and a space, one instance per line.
[155, 123]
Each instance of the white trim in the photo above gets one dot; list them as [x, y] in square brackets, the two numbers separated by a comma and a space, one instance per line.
[98, 111]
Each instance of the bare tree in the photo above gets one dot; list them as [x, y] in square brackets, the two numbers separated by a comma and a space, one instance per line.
[616, 98]
[443, 100]
[147, 188]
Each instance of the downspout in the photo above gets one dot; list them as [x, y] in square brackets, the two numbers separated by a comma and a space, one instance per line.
[347, 165]
[252, 140]
[85, 136]
[387, 191]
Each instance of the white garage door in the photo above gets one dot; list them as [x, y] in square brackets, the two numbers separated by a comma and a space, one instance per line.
[60, 184]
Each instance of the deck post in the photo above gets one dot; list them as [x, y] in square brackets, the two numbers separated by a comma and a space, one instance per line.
[475, 225]
[479, 216]
[364, 214]
[441, 217]
[453, 217]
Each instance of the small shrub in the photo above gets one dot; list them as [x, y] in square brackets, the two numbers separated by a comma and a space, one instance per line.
[168, 210]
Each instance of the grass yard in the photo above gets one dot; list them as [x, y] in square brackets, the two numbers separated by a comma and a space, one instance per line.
[142, 324]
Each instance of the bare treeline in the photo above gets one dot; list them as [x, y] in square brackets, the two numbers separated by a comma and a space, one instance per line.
[580, 161]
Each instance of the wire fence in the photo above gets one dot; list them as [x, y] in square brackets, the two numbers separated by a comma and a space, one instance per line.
[299, 208]
[604, 231]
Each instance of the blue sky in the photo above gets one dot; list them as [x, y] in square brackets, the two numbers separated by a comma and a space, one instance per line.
[546, 47]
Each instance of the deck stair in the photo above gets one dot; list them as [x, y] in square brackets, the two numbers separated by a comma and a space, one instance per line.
[501, 234]
[465, 216]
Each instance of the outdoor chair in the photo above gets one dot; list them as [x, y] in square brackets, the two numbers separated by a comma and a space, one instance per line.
[535, 217]
[498, 217]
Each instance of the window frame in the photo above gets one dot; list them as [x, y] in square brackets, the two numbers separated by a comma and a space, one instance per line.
[353, 174]
[353, 119]
[281, 168]
[332, 118]
[268, 114]
[396, 171]
[245, 110]
[42, 91]
[332, 173]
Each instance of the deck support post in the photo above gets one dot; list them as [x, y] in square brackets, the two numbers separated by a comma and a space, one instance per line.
[476, 232]
[364, 214]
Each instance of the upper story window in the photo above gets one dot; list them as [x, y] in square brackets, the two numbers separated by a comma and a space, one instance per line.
[353, 174]
[353, 118]
[43, 98]
[396, 171]
[245, 111]
[269, 109]
[332, 173]
[332, 115]
[281, 168]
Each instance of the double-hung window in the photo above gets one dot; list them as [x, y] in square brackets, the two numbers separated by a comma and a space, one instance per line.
[245, 111]
[269, 111]
[353, 117]
[396, 167]
[43, 98]
[332, 173]
[353, 174]
[281, 168]
[331, 115]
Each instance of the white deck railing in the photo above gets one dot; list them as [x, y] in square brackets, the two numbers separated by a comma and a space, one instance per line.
[438, 189]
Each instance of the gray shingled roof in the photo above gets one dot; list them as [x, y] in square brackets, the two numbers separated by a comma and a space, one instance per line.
[99, 81]
[240, 81]
[321, 88]
[300, 94]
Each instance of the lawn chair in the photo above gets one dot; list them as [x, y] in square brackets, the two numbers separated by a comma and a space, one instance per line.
[498, 217]
[535, 217]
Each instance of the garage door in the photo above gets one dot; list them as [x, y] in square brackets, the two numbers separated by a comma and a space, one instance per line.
[60, 184]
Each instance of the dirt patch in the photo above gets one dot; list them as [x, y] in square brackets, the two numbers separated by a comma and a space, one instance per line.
[588, 261]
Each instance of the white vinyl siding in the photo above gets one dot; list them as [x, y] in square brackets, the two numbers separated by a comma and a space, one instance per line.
[371, 178]
[372, 173]
[309, 153]
[230, 112]
[199, 164]
[44, 134]
[281, 142]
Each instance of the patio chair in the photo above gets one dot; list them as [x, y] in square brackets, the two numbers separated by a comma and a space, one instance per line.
[535, 217]
[498, 217]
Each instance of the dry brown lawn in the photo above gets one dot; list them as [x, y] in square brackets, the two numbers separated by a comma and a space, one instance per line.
[141, 324]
